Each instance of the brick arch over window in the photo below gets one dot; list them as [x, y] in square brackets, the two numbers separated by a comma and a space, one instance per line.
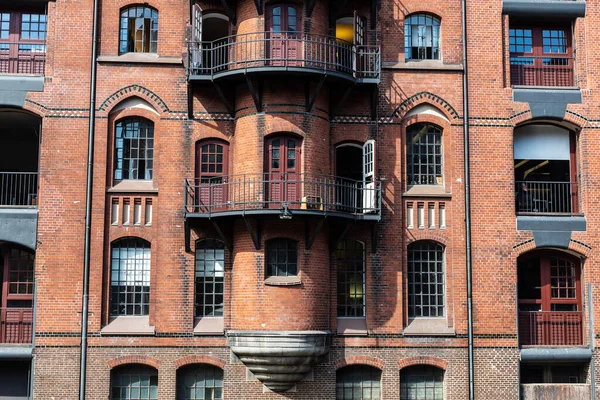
[276, 125]
[423, 360]
[133, 359]
[360, 360]
[425, 97]
[200, 359]
[428, 237]
[35, 108]
[134, 90]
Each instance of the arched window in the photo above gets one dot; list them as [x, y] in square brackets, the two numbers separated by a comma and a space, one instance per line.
[350, 260]
[424, 155]
[282, 257]
[130, 277]
[210, 272]
[134, 382]
[426, 289]
[421, 37]
[212, 158]
[358, 382]
[200, 381]
[421, 382]
[138, 30]
[134, 149]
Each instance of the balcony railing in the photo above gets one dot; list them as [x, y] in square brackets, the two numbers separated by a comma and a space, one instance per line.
[16, 325]
[546, 197]
[551, 328]
[550, 71]
[22, 58]
[316, 193]
[571, 391]
[18, 189]
[285, 49]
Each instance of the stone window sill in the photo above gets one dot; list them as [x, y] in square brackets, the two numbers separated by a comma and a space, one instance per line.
[426, 191]
[133, 186]
[352, 326]
[424, 65]
[126, 325]
[428, 327]
[140, 58]
[209, 326]
[283, 281]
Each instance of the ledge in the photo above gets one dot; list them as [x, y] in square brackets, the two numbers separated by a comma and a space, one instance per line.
[424, 65]
[140, 58]
[556, 354]
[16, 352]
[19, 225]
[547, 102]
[283, 281]
[426, 191]
[428, 327]
[133, 186]
[551, 223]
[125, 325]
[561, 9]
[14, 88]
[352, 326]
[209, 326]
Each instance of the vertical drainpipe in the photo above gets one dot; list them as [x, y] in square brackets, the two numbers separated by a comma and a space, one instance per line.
[467, 201]
[88, 209]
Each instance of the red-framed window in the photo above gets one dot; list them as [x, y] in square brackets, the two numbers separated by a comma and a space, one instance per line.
[23, 40]
[212, 160]
[541, 55]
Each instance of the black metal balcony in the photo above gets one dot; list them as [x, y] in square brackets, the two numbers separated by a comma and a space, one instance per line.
[546, 197]
[554, 71]
[289, 52]
[285, 195]
[26, 57]
[18, 189]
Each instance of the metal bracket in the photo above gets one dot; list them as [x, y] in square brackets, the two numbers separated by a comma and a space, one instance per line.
[224, 100]
[340, 103]
[259, 6]
[311, 102]
[374, 98]
[310, 239]
[190, 100]
[336, 240]
[187, 236]
[310, 7]
[230, 11]
[374, 235]
[227, 241]
[256, 95]
[374, 8]
[255, 236]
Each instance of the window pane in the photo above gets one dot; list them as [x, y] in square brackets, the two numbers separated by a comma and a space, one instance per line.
[422, 37]
[425, 280]
[282, 256]
[424, 155]
[139, 30]
[350, 263]
[200, 381]
[130, 277]
[134, 382]
[210, 265]
[358, 382]
[421, 382]
[134, 149]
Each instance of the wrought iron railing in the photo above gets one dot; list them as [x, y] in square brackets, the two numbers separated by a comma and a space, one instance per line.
[22, 58]
[18, 189]
[551, 328]
[318, 193]
[554, 70]
[285, 49]
[16, 325]
[546, 197]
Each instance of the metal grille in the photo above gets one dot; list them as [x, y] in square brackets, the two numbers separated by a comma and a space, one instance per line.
[130, 277]
[563, 278]
[421, 382]
[135, 382]
[20, 272]
[424, 155]
[358, 382]
[282, 257]
[210, 271]
[421, 37]
[426, 280]
[134, 149]
[200, 382]
[139, 30]
[350, 259]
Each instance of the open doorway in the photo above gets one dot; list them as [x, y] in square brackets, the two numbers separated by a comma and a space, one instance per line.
[210, 46]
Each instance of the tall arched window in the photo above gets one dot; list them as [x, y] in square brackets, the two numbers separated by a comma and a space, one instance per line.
[210, 272]
[134, 382]
[200, 381]
[130, 277]
[350, 260]
[282, 257]
[138, 30]
[424, 155]
[358, 382]
[134, 149]
[426, 291]
[421, 37]
[421, 382]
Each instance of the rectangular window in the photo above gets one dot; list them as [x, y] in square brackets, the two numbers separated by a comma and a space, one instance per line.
[426, 280]
[23, 41]
[282, 257]
[130, 277]
[210, 273]
[424, 155]
[350, 260]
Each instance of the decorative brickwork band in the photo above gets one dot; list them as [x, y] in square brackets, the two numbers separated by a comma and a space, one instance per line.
[424, 97]
[133, 359]
[200, 359]
[134, 90]
[423, 360]
[362, 360]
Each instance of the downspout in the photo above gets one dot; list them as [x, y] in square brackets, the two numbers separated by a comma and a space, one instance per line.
[88, 209]
[467, 201]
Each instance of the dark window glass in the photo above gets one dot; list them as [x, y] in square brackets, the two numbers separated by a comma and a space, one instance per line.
[358, 382]
[426, 280]
[421, 382]
[350, 260]
[421, 37]
[210, 272]
[282, 257]
[200, 382]
[424, 155]
[134, 149]
[138, 30]
[130, 277]
[134, 382]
